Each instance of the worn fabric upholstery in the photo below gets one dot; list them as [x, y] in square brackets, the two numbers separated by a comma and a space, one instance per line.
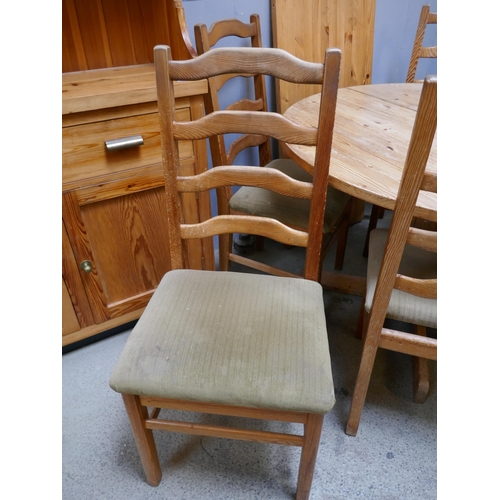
[231, 338]
[290, 211]
[416, 263]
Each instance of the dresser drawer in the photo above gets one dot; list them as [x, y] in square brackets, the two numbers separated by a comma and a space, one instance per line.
[85, 154]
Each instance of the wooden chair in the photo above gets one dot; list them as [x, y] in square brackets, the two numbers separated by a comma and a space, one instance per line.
[235, 344]
[401, 276]
[418, 52]
[253, 200]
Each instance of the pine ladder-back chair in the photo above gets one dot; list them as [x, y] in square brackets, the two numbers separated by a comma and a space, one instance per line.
[221, 342]
[401, 279]
[253, 200]
[418, 52]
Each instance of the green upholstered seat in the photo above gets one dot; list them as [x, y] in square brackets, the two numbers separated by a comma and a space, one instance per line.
[290, 211]
[416, 263]
[231, 338]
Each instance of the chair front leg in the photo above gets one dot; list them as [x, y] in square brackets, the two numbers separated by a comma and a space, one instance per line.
[144, 439]
[312, 434]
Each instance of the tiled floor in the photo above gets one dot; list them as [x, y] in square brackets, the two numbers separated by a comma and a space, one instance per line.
[392, 457]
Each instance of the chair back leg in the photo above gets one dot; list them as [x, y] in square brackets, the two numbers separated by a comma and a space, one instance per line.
[421, 383]
[361, 388]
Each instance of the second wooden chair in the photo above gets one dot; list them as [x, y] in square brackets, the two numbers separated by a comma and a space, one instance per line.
[401, 281]
[254, 200]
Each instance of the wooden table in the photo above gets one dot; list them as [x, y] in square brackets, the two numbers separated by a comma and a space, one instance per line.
[373, 126]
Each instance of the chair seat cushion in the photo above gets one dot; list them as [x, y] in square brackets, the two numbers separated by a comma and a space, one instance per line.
[417, 263]
[231, 338]
[290, 211]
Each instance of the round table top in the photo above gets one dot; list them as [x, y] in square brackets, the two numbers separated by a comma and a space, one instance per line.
[373, 125]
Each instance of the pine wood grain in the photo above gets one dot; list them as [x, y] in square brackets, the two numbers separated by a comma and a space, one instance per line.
[245, 176]
[128, 244]
[84, 147]
[110, 33]
[74, 285]
[248, 224]
[250, 122]
[225, 432]
[306, 29]
[218, 409]
[372, 134]
[70, 322]
[97, 328]
[109, 88]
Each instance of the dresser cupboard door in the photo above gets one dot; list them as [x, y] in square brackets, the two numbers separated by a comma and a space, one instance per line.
[120, 244]
[70, 321]
[121, 248]
[115, 219]
[76, 311]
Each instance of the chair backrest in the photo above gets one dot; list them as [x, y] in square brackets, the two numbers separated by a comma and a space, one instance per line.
[278, 64]
[414, 180]
[419, 51]
[205, 40]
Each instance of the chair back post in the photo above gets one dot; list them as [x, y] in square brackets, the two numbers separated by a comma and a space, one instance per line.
[205, 40]
[411, 181]
[170, 153]
[217, 142]
[265, 155]
[418, 51]
[326, 121]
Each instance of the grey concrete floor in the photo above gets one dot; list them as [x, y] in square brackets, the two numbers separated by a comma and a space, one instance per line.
[392, 457]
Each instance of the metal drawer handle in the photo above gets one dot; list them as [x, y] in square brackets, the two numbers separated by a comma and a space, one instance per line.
[124, 143]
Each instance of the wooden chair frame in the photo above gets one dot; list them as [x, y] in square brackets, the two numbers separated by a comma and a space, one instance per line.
[401, 233]
[282, 65]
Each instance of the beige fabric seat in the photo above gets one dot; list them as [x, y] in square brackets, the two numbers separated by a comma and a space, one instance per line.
[291, 211]
[231, 338]
[416, 262]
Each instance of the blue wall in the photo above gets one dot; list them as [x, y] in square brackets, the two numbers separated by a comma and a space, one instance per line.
[395, 25]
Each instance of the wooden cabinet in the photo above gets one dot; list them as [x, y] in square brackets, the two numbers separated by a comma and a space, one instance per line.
[115, 248]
